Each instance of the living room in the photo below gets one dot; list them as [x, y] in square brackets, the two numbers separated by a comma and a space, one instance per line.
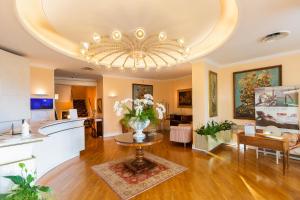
[129, 100]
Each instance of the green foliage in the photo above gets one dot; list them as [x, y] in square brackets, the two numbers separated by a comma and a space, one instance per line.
[24, 188]
[212, 128]
[148, 113]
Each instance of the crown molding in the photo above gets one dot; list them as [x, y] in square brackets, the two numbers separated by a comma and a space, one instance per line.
[262, 58]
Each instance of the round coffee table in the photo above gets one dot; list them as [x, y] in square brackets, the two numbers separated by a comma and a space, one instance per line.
[140, 163]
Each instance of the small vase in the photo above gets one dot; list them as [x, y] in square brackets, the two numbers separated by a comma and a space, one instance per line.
[138, 127]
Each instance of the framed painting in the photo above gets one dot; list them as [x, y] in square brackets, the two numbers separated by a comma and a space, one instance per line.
[184, 98]
[99, 105]
[139, 90]
[213, 94]
[244, 84]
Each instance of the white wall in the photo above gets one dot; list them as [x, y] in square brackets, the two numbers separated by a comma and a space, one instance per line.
[14, 89]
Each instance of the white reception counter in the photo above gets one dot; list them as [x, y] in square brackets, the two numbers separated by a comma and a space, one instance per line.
[50, 144]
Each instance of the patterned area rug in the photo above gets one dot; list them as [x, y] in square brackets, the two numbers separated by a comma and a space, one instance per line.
[127, 184]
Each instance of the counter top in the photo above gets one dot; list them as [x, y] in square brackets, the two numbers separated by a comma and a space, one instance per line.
[11, 140]
[36, 133]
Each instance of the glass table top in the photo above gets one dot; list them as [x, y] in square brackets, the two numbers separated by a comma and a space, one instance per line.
[127, 139]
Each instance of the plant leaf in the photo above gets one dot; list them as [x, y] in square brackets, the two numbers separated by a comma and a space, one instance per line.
[44, 189]
[18, 180]
[29, 179]
[21, 165]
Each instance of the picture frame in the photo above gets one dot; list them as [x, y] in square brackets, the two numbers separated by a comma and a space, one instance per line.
[244, 84]
[139, 90]
[99, 105]
[184, 98]
[213, 94]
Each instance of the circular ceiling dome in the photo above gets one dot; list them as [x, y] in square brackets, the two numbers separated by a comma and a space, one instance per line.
[62, 25]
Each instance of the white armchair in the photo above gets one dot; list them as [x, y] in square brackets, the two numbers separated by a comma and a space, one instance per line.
[181, 133]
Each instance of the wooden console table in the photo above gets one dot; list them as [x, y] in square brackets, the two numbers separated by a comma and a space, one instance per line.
[261, 141]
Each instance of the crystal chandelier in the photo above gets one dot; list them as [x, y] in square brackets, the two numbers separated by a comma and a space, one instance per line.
[134, 51]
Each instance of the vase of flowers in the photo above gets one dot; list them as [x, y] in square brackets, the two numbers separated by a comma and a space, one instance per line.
[139, 113]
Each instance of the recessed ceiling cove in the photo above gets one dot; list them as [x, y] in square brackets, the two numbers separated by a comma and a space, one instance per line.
[63, 25]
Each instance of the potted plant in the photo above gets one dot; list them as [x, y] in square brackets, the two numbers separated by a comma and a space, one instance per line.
[213, 134]
[25, 188]
[140, 115]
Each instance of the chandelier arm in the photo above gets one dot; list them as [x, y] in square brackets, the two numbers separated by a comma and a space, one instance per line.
[165, 44]
[107, 55]
[125, 61]
[116, 58]
[94, 53]
[148, 54]
[170, 49]
[130, 42]
[162, 52]
[146, 66]
[159, 57]
[147, 40]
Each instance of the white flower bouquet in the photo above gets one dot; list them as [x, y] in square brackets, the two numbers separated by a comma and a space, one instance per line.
[142, 112]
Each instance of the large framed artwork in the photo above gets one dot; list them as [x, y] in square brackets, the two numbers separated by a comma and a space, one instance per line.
[139, 90]
[184, 98]
[213, 92]
[277, 106]
[244, 84]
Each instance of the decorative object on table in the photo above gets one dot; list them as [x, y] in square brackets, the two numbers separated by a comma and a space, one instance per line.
[128, 184]
[244, 84]
[134, 50]
[24, 187]
[250, 129]
[213, 134]
[25, 129]
[73, 114]
[143, 113]
[277, 106]
[184, 98]
[99, 105]
[213, 94]
[139, 90]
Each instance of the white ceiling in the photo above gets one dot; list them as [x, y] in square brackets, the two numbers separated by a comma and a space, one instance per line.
[256, 19]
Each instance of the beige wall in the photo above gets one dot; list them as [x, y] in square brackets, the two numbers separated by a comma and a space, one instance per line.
[164, 91]
[170, 88]
[290, 76]
[42, 81]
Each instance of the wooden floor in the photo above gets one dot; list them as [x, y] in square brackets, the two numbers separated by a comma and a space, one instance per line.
[216, 176]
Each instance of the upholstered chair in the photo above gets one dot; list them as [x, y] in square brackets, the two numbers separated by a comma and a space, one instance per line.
[181, 133]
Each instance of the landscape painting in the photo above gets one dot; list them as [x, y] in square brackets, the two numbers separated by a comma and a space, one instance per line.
[277, 106]
[139, 90]
[244, 85]
[185, 98]
[213, 92]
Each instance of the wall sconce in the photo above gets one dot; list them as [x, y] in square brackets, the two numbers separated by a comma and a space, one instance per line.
[112, 94]
[56, 96]
[40, 92]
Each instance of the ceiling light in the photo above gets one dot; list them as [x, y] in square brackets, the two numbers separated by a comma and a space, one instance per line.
[136, 51]
[180, 41]
[85, 45]
[116, 35]
[162, 36]
[275, 36]
[140, 33]
[96, 37]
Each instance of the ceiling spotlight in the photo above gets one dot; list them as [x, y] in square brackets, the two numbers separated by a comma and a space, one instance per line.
[96, 37]
[108, 66]
[140, 33]
[116, 35]
[85, 45]
[180, 41]
[122, 68]
[162, 36]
